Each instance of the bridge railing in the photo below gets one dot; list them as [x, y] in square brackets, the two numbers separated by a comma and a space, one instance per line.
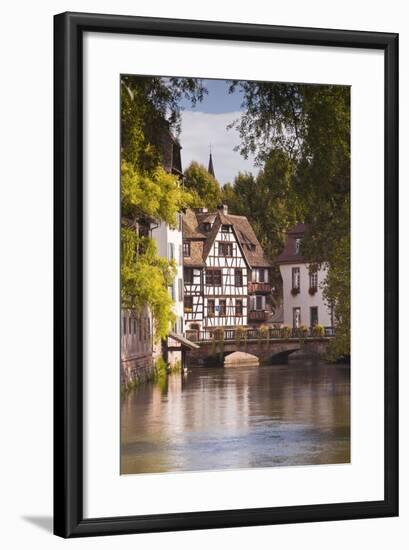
[270, 333]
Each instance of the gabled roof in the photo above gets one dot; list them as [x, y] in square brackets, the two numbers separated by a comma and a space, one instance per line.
[192, 230]
[288, 255]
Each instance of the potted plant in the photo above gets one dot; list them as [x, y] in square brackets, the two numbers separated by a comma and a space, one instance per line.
[285, 331]
[295, 290]
[241, 334]
[319, 330]
[312, 290]
[218, 334]
[303, 330]
[264, 331]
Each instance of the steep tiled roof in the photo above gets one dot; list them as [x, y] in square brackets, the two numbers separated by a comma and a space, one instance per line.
[191, 226]
[196, 254]
[288, 255]
[251, 247]
[192, 231]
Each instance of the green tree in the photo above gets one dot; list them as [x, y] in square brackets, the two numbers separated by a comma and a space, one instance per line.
[311, 124]
[145, 278]
[265, 200]
[148, 192]
[203, 186]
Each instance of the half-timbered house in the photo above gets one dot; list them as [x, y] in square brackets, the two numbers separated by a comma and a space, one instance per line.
[226, 275]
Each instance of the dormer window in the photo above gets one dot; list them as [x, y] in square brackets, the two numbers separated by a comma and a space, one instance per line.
[225, 228]
[297, 247]
[207, 226]
[186, 249]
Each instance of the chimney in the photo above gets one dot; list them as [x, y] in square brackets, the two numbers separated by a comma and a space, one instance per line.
[224, 209]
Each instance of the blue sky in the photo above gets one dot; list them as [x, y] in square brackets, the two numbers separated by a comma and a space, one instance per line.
[206, 124]
[218, 100]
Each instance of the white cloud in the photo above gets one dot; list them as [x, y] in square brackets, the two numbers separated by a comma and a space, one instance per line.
[199, 130]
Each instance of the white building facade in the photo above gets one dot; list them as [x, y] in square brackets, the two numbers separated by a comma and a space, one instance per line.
[169, 242]
[303, 301]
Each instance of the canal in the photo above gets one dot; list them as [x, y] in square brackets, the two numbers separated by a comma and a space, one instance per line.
[254, 417]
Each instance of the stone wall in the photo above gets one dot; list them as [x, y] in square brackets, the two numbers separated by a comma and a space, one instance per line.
[266, 351]
[135, 370]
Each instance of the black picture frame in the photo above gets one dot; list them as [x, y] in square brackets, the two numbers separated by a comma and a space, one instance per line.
[68, 274]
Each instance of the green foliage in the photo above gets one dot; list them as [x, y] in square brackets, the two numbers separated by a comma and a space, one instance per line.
[240, 335]
[202, 185]
[149, 108]
[145, 278]
[157, 195]
[267, 200]
[303, 329]
[307, 129]
[264, 332]
[319, 330]
[285, 331]
[150, 105]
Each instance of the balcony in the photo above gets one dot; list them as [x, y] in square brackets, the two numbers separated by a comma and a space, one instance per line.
[258, 315]
[264, 288]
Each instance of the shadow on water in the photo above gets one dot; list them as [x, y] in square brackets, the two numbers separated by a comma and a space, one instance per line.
[216, 418]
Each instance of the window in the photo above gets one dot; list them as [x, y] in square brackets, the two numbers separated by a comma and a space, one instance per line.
[186, 249]
[238, 277]
[225, 228]
[207, 226]
[313, 316]
[172, 292]
[295, 273]
[180, 289]
[239, 308]
[124, 325]
[188, 304]
[259, 302]
[210, 308]
[188, 275]
[134, 325]
[261, 277]
[297, 245]
[225, 249]
[171, 251]
[213, 277]
[313, 280]
[222, 308]
[129, 325]
[296, 317]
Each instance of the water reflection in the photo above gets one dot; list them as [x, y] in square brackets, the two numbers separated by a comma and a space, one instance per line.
[217, 418]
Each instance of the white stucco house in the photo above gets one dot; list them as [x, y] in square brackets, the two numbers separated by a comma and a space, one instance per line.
[303, 301]
[169, 244]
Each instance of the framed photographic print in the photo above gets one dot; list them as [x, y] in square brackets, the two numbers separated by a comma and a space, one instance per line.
[226, 297]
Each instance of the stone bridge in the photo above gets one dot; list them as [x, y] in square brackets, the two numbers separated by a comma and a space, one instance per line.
[269, 350]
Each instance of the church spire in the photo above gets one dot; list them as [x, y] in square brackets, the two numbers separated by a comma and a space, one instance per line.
[210, 169]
